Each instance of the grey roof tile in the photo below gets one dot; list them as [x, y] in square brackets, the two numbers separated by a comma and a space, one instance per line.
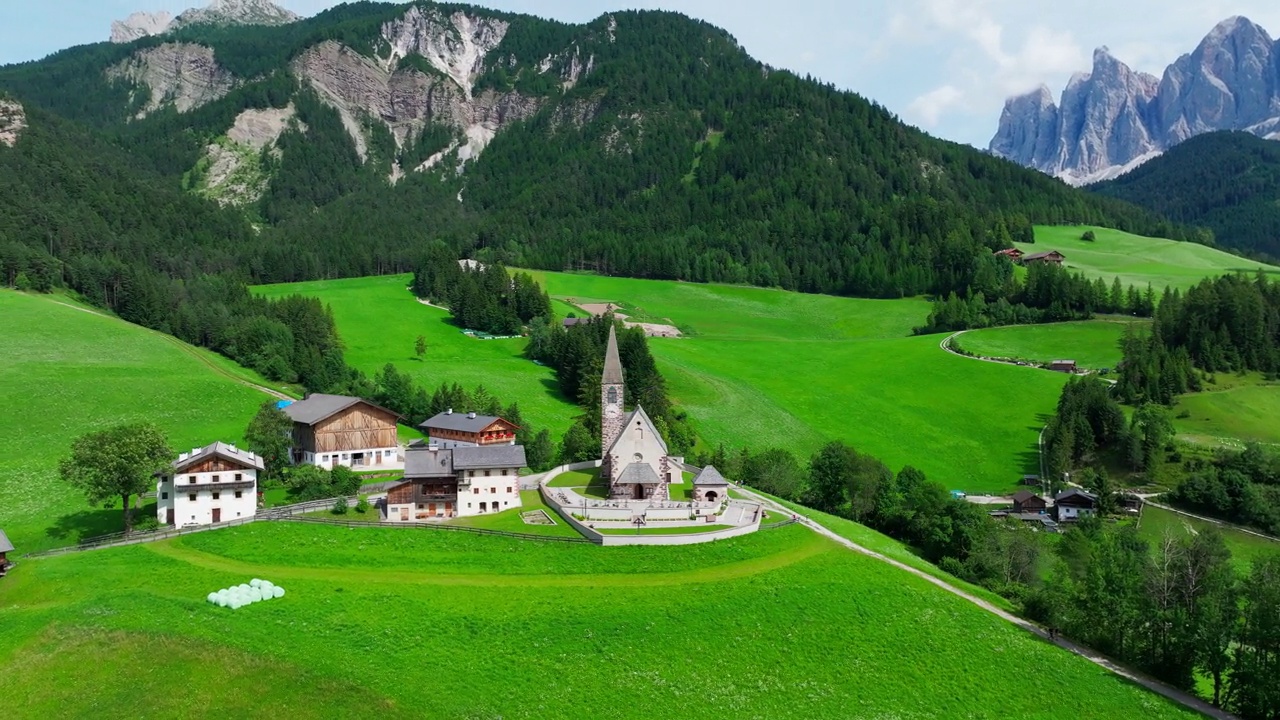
[420, 462]
[709, 475]
[5, 545]
[222, 450]
[461, 422]
[490, 456]
[638, 474]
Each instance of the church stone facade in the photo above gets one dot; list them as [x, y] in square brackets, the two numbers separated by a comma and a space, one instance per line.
[634, 456]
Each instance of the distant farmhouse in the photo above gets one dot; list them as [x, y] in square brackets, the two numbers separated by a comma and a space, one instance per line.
[1074, 504]
[1066, 366]
[635, 462]
[208, 485]
[332, 430]
[449, 430]
[458, 481]
[6, 547]
[1051, 257]
[1013, 254]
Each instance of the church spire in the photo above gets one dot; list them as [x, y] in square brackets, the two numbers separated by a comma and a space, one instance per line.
[612, 365]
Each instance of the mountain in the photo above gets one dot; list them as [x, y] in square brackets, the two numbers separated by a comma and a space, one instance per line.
[1228, 182]
[1113, 119]
[641, 143]
[219, 12]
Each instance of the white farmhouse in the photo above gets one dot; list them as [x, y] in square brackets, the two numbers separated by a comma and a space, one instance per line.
[456, 482]
[212, 484]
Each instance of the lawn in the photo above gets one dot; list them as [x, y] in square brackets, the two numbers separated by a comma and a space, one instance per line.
[775, 624]
[66, 372]
[762, 368]
[1092, 344]
[379, 321]
[510, 520]
[1138, 260]
[1245, 548]
[1232, 410]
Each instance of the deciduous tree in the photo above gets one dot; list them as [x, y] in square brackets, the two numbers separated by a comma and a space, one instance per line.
[270, 435]
[117, 463]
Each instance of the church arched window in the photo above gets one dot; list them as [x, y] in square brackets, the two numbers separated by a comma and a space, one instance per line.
[611, 396]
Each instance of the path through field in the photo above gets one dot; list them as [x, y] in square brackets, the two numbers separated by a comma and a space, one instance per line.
[1156, 686]
[175, 550]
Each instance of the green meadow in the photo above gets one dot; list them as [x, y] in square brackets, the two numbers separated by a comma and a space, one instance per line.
[1232, 410]
[1138, 260]
[759, 367]
[67, 371]
[1092, 344]
[1245, 547]
[398, 623]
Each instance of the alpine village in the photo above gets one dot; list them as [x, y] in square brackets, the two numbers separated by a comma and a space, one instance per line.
[650, 379]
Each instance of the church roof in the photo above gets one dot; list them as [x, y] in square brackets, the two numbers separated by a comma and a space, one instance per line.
[638, 474]
[612, 365]
[639, 415]
[709, 475]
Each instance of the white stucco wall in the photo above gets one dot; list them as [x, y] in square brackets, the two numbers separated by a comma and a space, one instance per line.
[640, 440]
[375, 459]
[176, 494]
[501, 487]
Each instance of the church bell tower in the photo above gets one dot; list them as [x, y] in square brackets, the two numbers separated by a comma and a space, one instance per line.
[611, 394]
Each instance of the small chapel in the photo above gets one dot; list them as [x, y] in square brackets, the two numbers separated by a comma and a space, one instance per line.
[634, 456]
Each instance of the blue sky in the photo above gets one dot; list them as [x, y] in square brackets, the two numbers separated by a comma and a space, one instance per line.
[944, 65]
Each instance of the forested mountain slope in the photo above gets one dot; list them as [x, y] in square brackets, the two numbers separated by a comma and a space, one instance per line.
[641, 143]
[1228, 182]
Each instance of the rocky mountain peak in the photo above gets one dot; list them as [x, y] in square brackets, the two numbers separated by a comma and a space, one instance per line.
[218, 12]
[1113, 118]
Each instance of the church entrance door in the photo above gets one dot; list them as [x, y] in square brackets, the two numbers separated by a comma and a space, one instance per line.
[639, 493]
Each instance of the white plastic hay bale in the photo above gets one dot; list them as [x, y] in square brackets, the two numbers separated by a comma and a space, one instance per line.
[211, 597]
[255, 583]
[278, 591]
[266, 586]
[244, 587]
[255, 595]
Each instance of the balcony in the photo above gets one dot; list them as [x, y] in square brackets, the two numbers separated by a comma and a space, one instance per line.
[436, 498]
[182, 483]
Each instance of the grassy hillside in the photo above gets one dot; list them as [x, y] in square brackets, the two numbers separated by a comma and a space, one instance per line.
[778, 624]
[759, 367]
[68, 371]
[1092, 344]
[379, 320]
[1138, 260]
[1232, 410]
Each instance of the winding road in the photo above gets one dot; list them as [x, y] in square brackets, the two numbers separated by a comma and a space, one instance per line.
[1178, 696]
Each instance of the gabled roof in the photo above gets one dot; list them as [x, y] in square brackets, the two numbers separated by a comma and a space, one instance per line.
[421, 462]
[5, 545]
[1043, 255]
[492, 456]
[638, 474]
[230, 453]
[463, 422]
[1075, 496]
[612, 374]
[640, 415]
[318, 406]
[709, 475]
[1024, 495]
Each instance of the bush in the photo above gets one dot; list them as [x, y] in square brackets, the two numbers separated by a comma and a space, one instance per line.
[340, 506]
[1088, 236]
[146, 523]
[362, 506]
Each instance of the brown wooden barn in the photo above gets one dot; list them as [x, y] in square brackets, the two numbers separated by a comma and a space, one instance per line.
[332, 430]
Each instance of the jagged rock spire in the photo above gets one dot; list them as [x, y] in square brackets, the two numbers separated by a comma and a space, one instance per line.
[612, 365]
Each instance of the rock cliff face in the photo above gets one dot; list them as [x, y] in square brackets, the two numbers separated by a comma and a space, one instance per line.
[219, 12]
[233, 171]
[1113, 119]
[181, 74]
[140, 25]
[406, 98]
[13, 120]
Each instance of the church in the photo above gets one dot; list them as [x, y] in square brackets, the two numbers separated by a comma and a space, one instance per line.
[634, 458]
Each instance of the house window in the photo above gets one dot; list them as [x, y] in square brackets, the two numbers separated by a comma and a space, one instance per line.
[477, 491]
[216, 495]
[216, 478]
[191, 480]
[239, 477]
[191, 497]
[612, 396]
[164, 496]
[468, 505]
[508, 489]
[486, 473]
[346, 456]
[324, 458]
[239, 494]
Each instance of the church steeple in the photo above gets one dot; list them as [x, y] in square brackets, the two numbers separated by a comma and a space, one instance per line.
[612, 365]
[612, 391]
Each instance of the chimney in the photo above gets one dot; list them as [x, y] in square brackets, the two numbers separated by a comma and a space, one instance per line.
[195, 451]
[449, 411]
[471, 415]
[233, 448]
[183, 456]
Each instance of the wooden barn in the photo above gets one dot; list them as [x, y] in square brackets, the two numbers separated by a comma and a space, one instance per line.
[1052, 257]
[332, 430]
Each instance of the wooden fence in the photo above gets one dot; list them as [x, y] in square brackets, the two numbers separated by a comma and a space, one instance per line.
[436, 526]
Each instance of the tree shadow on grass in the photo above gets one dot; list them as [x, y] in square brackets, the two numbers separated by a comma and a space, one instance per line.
[78, 526]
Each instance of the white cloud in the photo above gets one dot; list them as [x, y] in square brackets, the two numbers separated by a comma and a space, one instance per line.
[927, 109]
